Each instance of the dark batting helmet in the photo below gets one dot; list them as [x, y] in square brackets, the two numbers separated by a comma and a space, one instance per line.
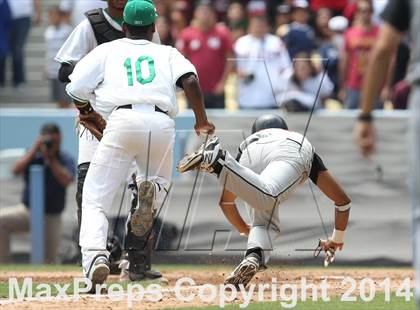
[269, 121]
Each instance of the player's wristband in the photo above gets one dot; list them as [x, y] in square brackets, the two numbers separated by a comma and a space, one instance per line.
[365, 117]
[338, 236]
[83, 107]
[343, 208]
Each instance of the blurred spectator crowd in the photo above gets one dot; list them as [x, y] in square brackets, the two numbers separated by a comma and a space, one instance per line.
[263, 53]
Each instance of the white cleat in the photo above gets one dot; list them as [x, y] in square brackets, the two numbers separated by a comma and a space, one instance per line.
[245, 271]
[98, 271]
[203, 159]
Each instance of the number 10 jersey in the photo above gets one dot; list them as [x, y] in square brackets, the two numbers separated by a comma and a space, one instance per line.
[127, 71]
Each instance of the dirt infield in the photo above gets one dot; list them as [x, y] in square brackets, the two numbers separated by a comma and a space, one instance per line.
[213, 275]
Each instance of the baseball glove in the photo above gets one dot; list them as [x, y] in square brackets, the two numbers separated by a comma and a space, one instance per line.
[93, 122]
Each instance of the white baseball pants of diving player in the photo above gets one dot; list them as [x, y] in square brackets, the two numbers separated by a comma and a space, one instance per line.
[146, 137]
[266, 175]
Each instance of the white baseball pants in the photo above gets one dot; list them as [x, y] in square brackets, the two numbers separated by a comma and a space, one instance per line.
[266, 175]
[87, 146]
[146, 137]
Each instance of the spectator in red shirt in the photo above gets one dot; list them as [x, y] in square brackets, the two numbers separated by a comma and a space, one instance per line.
[337, 6]
[358, 42]
[208, 45]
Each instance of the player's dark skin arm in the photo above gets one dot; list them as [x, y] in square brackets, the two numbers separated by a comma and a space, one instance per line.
[64, 72]
[189, 83]
[326, 183]
[83, 107]
[380, 58]
[330, 187]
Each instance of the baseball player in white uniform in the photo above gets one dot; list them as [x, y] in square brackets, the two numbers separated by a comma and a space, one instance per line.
[84, 38]
[272, 163]
[99, 26]
[134, 83]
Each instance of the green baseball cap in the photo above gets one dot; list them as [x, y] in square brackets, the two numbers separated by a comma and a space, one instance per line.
[140, 13]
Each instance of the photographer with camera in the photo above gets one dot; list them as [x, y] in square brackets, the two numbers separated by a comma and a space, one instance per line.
[59, 172]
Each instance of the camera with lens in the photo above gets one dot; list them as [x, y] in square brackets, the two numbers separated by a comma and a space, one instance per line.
[48, 142]
[249, 78]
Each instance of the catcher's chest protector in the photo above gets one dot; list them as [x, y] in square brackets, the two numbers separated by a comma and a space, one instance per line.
[103, 30]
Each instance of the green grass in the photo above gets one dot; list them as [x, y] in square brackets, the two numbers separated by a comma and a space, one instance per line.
[28, 267]
[335, 304]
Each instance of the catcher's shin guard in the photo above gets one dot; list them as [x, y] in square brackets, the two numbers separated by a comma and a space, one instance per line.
[115, 249]
[82, 170]
[139, 252]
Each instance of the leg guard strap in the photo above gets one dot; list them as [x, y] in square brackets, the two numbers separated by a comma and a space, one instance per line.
[82, 170]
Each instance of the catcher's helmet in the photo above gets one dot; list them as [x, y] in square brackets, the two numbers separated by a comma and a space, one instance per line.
[268, 121]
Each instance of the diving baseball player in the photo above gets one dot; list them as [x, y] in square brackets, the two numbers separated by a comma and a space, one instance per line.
[100, 26]
[271, 164]
[134, 82]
